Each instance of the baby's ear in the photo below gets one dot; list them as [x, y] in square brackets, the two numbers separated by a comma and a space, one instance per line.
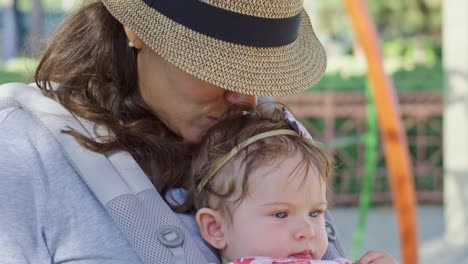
[211, 225]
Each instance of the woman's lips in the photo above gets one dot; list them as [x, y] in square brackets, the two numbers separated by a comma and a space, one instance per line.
[213, 119]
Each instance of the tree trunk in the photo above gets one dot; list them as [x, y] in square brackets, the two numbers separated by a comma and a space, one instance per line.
[11, 34]
[35, 33]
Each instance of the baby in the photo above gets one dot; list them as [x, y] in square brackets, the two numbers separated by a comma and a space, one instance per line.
[259, 187]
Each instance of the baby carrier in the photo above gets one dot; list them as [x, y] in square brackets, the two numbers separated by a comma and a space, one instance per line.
[118, 182]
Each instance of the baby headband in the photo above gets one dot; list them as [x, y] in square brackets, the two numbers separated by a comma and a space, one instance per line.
[238, 148]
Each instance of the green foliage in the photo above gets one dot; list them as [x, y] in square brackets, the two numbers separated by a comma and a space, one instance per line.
[421, 78]
[11, 76]
[407, 18]
[392, 18]
[418, 78]
[49, 5]
[17, 70]
[332, 19]
[412, 51]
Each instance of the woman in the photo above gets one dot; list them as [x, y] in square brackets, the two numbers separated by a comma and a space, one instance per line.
[151, 75]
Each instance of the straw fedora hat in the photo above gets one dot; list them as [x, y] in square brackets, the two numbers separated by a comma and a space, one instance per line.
[256, 47]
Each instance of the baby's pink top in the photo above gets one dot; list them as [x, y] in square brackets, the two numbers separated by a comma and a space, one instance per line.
[268, 260]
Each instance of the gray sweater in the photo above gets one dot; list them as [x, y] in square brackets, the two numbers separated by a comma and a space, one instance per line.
[47, 212]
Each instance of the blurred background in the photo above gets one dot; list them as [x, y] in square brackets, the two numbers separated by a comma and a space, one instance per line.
[410, 32]
[335, 111]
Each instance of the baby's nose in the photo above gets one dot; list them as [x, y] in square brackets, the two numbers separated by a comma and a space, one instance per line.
[306, 230]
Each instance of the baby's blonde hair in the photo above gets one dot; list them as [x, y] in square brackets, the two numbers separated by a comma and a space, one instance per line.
[239, 124]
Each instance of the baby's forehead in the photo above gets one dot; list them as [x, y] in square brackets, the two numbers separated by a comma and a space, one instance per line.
[246, 170]
[280, 167]
[289, 179]
[255, 164]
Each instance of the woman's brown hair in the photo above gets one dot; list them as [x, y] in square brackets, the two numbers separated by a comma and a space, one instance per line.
[96, 78]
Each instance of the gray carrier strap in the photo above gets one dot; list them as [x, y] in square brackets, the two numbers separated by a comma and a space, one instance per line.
[116, 180]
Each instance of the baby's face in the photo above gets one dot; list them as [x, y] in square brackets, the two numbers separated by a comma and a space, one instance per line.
[283, 215]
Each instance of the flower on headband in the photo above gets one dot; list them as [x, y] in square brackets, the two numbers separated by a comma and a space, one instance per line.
[298, 127]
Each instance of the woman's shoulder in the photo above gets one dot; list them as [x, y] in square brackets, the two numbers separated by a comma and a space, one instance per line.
[17, 123]
[23, 137]
[21, 106]
[26, 145]
[44, 193]
[14, 88]
[13, 96]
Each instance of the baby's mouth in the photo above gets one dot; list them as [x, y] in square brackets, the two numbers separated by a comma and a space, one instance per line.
[306, 254]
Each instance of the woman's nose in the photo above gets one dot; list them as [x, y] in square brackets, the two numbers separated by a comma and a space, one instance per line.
[236, 98]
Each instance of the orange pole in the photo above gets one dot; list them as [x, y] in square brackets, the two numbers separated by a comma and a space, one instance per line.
[393, 136]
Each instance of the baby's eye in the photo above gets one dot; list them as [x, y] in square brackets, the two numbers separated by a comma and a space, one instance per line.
[281, 215]
[315, 213]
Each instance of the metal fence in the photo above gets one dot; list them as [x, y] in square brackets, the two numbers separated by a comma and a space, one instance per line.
[341, 117]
